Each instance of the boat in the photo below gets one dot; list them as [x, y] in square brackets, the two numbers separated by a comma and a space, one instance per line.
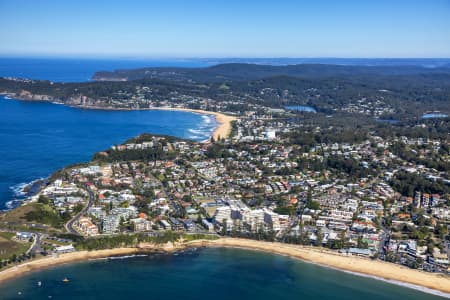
[66, 280]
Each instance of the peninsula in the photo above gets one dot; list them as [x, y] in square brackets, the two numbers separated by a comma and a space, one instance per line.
[345, 172]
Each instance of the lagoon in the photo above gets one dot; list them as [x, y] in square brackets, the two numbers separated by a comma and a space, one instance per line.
[435, 115]
[303, 108]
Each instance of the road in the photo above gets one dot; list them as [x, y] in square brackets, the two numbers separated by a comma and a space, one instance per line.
[385, 236]
[69, 224]
[168, 196]
[36, 241]
[36, 245]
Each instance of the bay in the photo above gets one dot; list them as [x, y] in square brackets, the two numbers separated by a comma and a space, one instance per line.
[38, 138]
[215, 273]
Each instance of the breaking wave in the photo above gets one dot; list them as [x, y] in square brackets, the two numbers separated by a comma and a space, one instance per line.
[204, 129]
[18, 189]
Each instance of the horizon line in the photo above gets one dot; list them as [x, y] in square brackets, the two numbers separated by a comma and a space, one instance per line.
[160, 57]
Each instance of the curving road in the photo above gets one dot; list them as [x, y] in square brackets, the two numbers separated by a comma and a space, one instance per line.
[69, 224]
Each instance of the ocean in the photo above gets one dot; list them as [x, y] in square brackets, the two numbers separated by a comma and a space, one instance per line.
[215, 273]
[80, 69]
[37, 139]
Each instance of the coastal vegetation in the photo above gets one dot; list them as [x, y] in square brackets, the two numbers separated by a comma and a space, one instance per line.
[363, 175]
[11, 250]
[133, 240]
[46, 214]
[145, 155]
[401, 92]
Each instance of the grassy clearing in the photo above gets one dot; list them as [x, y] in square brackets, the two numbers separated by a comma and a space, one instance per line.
[18, 215]
[34, 213]
[9, 247]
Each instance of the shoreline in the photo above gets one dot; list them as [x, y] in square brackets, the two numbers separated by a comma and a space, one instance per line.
[222, 130]
[438, 284]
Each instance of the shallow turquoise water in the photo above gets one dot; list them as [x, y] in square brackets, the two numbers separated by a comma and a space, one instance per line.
[434, 116]
[303, 108]
[204, 274]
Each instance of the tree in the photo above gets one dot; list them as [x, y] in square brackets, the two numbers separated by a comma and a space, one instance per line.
[199, 218]
[361, 243]
[319, 237]
[78, 208]
[187, 198]
[122, 224]
[224, 227]
[309, 195]
[43, 199]
[124, 204]
[313, 205]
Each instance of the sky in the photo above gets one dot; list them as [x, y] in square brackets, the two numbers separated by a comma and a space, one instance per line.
[228, 28]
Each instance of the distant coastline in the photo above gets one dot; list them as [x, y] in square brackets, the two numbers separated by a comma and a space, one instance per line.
[222, 130]
[392, 273]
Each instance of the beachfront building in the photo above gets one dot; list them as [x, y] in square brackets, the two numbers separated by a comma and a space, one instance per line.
[86, 227]
[165, 225]
[110, 224]
[140, 224]
[222, 213]
[64, 249]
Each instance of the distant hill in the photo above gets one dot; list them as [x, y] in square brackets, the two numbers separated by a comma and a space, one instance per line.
[284, 61]
[242, 71]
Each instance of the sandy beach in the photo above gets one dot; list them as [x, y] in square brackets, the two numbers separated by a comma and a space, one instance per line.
[223, 128]
[383, 270]
[377, 269]
[46, 262]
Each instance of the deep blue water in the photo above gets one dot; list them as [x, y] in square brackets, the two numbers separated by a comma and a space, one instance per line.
[304, 108]
[217, 274]
[38, 138]
[81, 69]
